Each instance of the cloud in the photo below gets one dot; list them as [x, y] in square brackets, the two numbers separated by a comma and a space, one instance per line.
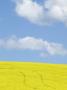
[44, 55]
[30, 10]
[31, 43]
[47, 12]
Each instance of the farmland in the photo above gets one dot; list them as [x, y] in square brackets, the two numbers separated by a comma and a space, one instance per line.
[32, 76]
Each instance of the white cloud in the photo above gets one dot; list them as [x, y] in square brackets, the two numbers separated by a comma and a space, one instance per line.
[44, 55]
[49, 11]
[31, 43]
[30, 10]
[57, 9]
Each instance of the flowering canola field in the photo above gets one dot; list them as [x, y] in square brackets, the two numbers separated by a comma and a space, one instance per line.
[32, 76]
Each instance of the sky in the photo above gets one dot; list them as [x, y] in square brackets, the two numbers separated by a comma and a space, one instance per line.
[33, 31]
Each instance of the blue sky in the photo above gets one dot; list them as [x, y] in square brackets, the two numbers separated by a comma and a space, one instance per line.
[22, 24]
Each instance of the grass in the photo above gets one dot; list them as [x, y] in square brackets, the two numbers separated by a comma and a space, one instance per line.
[32, 76]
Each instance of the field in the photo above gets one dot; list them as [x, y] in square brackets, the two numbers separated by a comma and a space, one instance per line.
[32, 76]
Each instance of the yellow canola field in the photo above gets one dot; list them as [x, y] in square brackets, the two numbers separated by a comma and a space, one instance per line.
[32, 76]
